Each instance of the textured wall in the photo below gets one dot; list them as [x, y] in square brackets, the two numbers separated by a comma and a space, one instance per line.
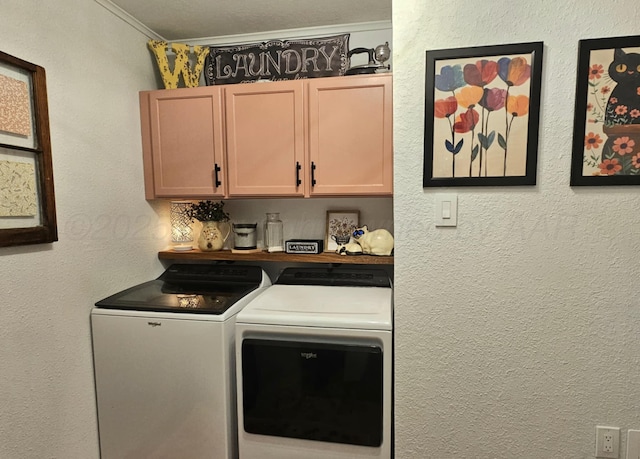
[517, 331]
[95, 65]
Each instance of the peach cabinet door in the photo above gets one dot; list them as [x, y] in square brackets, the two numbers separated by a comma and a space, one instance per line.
[265, 139]
[350, 135]
[183, 144]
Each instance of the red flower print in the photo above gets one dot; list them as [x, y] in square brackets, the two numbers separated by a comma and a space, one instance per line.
[613, 100]
[623, 145]
[592, 140]
[635, 161]
[621, 109]
[444, 108]
[589, 106]
[634, 113]
[605, 90]
[466, 121]
[610, 167]
[595, 71]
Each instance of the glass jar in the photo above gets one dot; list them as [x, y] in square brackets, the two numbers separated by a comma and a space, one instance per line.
[273, 237]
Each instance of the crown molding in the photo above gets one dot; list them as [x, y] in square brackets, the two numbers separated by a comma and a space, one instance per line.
[289, 34]
[126, 17]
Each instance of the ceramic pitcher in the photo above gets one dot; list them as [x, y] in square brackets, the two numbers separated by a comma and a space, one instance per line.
[213, 236]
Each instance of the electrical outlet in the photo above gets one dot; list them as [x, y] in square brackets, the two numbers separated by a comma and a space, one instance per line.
[607, 442]
[607, 445]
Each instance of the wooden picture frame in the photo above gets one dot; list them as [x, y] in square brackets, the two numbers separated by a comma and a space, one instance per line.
[340, 223]
[606, 131]
[482, 109]
[27, 202]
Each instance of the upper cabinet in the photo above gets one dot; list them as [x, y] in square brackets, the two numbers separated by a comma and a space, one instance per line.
[316, 137]
[182, 142]
[265, 138]
[350, 135]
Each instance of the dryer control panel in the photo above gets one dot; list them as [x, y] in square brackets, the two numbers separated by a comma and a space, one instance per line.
[346, 277]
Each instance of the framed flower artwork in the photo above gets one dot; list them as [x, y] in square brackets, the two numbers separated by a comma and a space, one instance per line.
[606, 133]
[340, 227]
[482, 109]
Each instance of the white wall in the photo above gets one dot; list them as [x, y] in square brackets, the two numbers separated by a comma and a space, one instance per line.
[306, 218]
[517, 331]
[109, 235]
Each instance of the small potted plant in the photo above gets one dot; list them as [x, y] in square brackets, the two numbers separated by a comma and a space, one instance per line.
[210, 214]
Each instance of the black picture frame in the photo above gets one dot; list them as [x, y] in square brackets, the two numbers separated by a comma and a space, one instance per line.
[597, 158]
[512, 72]
[29, 146]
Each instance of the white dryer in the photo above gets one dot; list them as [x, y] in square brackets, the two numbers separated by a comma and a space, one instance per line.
[314, 366]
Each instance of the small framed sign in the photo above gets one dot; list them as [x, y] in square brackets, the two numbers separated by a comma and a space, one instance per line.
[277, 60]
[312, 246]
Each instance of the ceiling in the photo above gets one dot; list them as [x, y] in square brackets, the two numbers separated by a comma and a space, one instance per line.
[183, 19]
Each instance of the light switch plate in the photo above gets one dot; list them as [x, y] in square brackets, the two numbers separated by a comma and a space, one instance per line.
[633, 444]
[446, 209]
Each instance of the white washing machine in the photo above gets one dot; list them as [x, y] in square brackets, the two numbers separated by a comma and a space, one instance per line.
[314, 356]
[164, 360]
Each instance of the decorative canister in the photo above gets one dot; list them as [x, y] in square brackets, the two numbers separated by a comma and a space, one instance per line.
[244, 236]
[273, 233]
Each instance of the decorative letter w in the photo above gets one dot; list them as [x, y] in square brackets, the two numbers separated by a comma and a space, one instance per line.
[181, 65]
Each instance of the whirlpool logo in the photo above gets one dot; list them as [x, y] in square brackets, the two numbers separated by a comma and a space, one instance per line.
[309, 355]
[154, 324]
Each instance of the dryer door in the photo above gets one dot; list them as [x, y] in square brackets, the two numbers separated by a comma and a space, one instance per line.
[314, 391]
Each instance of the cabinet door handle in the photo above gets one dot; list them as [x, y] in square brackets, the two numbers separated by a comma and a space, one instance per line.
[216, 169]
[298, 167]
[313, 173]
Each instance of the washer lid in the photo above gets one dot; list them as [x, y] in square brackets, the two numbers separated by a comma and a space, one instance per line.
[321, 306]
[192, 298]
[194, 289]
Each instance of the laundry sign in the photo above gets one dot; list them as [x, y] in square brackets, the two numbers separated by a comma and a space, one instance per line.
[277, 60]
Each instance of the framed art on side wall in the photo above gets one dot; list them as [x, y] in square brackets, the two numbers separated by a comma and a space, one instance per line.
[606, 132]
[27, 204]
[482, 109]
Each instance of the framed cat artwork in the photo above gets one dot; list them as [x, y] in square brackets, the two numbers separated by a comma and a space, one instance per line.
[482, 109]
[606, 135]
